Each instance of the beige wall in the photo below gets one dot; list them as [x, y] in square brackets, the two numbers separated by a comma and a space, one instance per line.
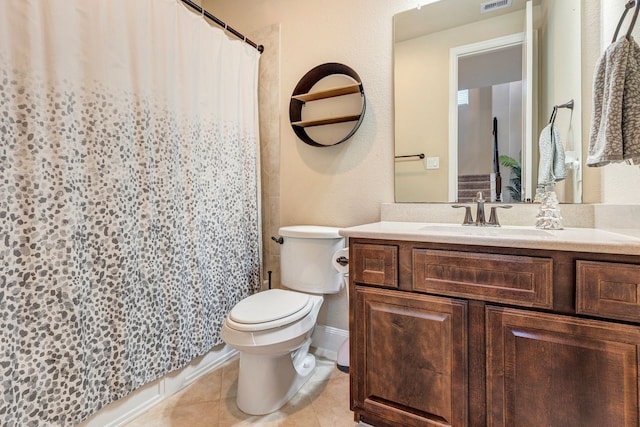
[614, 183]
[558, 36]
[342, 185]
[620, 183]
[591, 40]
[420, 99]
[345, 184]
[270, 148]
[475, 124]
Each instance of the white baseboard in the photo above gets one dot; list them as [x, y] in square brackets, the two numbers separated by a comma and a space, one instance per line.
[328, 338]
[128, 408]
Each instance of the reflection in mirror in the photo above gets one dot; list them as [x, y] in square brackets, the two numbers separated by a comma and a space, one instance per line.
[489, 100]
[456, 70]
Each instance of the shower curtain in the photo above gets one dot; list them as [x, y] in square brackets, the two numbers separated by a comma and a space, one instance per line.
[128, 198]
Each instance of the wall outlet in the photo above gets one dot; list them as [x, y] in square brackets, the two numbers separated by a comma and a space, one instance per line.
[432, 163]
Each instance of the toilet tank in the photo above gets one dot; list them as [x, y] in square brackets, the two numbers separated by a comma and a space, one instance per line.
[306, 258]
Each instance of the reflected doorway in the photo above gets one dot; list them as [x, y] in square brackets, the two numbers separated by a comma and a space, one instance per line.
[487, 119]
[490, 124]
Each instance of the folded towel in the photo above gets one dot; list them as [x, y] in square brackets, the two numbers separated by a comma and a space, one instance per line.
[552, 167]
[615, 129]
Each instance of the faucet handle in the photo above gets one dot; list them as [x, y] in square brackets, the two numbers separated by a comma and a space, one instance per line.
[493, 217]
[468, 219]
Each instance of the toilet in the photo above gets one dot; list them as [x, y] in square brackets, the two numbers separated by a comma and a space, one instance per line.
[272, 329]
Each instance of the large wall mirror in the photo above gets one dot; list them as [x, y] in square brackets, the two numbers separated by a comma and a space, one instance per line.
[474, 88]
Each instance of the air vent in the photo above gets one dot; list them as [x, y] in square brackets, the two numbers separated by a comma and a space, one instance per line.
[490, 6]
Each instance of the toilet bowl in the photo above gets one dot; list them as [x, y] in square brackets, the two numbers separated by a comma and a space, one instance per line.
[272, 329]
[274, 359]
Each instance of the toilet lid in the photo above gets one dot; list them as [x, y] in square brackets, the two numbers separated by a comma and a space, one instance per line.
[269, 306]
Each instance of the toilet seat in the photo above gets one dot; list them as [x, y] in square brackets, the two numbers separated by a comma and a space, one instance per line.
[269, 309]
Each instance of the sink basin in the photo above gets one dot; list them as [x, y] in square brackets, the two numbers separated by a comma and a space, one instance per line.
[486, 231]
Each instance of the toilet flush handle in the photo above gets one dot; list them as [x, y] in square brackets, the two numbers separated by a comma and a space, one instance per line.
[279, 240]
[343, 260]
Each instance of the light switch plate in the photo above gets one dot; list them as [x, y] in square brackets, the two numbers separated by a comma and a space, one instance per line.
[432, 163]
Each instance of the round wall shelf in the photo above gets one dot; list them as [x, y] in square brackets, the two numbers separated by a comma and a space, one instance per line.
[301, 96]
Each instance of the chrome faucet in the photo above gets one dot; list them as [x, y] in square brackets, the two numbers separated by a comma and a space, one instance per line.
[480, 216]
[468, 219]
[493, 217]
[480, 221]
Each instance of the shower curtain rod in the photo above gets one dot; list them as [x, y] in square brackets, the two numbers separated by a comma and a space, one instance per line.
[201, 10]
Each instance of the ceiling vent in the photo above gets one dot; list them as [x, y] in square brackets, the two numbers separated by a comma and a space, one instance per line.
[490, 6]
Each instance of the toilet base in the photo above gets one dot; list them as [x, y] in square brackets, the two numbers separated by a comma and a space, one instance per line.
[267, 382]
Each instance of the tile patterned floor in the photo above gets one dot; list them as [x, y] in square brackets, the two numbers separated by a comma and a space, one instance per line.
[210, 402]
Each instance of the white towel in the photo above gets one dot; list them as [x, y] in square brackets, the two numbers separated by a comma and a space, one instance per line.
[552, 167]
[615, 129]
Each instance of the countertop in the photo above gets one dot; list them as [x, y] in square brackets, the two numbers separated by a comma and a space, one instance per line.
[624, 242]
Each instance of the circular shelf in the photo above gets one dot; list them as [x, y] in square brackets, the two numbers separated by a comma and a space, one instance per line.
[301, 96]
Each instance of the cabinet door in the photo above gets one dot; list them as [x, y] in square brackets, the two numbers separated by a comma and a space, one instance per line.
[556, 371]
[410, 358]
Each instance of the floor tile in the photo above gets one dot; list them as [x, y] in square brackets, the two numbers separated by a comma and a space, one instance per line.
[331, 404]
[211, 402]
[207, 388]
[173, 413]
[229, 372]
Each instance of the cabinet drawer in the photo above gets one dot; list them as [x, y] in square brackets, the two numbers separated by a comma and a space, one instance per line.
[608, 289]
[375, 265]
[511, 279]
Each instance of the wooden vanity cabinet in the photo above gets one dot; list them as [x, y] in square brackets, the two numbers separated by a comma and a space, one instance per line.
[456, 335]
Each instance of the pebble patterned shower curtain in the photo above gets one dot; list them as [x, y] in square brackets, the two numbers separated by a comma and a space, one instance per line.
[128, 198]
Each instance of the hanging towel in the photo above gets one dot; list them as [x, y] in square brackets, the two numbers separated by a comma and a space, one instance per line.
[615, 130]
[551, 167]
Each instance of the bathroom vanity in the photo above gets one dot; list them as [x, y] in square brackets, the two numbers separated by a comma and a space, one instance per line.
[466, 326]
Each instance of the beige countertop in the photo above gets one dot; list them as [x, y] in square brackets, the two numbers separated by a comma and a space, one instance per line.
[624, 242]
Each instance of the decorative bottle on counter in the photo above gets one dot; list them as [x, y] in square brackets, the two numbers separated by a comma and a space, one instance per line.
[549, 217]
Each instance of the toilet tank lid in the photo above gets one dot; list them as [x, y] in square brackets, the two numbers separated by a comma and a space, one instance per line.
[310, 232]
